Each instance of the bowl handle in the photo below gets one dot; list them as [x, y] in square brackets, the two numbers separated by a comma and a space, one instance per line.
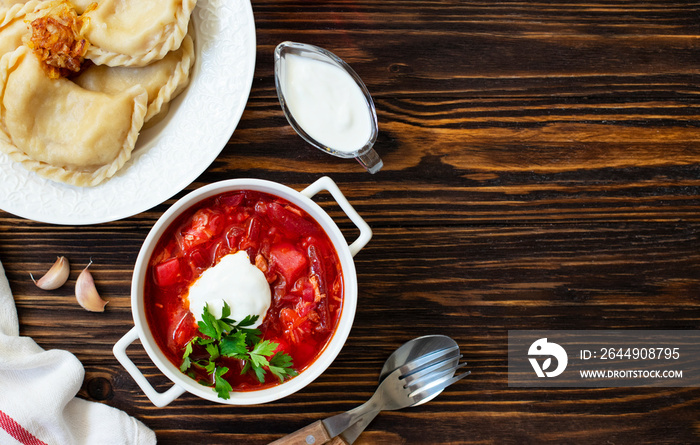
[326, 183]
[159, 399]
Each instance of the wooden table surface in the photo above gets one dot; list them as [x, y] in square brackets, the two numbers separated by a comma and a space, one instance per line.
[542, 171]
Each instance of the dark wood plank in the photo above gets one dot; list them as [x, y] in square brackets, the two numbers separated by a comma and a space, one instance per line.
[542, 171]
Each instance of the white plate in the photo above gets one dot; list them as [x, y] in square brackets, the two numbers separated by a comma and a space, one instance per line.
[170, 155]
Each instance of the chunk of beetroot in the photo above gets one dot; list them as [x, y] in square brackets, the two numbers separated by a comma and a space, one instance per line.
[168, 272]
[288, 261]
[293, 225]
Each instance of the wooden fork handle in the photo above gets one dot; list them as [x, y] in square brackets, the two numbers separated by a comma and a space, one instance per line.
[313, 434]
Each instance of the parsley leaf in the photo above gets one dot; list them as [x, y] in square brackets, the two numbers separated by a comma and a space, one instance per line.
[234, 345]
[258, 358]
[221, 385]
[224, 337]
[225, 311]
[259, 373]
[186, 363]
[281, 366]
[265, 347]
[207, 325]
[213, 350]
[210, 367]
[248, 321]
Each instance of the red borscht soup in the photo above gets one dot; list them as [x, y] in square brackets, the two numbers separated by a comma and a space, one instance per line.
[291, 249]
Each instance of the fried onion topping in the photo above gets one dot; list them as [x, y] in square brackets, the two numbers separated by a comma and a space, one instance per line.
[56, 39]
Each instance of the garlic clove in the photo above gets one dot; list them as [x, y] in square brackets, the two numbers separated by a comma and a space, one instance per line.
[86, 293]
[56, 276]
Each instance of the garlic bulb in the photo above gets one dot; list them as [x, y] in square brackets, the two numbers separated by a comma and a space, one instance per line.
[86, 293]
[56, 276]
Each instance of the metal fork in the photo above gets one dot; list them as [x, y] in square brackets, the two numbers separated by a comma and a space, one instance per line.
[418, 381]
[408, 385]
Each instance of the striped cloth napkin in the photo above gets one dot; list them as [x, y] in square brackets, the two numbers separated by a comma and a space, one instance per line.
[37, 394]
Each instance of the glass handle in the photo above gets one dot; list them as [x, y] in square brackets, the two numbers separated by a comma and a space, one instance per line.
[370, 160]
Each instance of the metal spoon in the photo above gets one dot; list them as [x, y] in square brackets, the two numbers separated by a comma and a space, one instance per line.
[406, 353]
[417, 380]
[415, 348]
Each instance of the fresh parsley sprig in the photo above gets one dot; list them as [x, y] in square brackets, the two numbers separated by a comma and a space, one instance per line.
[224, 337]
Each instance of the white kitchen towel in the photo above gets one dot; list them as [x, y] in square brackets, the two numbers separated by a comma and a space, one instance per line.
[38, 405]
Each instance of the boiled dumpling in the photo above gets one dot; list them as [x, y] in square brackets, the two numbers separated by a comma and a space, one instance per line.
[62, 131]
[81, 5]
[12, 30]
[8, 3]
[13, 24]
[163, 79]
[135, 32]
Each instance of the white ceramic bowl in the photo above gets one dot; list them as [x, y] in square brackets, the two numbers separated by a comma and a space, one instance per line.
[184, 383]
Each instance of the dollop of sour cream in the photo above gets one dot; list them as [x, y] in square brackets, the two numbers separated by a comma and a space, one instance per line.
[327, 103]
[235, 281]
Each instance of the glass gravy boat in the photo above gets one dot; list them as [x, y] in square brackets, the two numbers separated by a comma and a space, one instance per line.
[365, 153]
